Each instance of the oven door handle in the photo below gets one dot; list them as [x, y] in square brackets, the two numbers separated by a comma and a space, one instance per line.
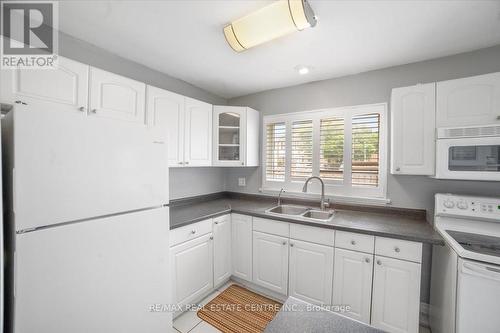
[481, 270]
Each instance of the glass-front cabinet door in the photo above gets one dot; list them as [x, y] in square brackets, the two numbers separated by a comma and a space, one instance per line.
[229, 135]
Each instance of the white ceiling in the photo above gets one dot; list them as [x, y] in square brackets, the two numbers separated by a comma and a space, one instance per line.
[184, 38]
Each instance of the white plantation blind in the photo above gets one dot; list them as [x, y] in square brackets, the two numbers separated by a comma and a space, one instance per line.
[275, 151]
[346, 147]
[365, 149]
[302, 149]
[331, 163]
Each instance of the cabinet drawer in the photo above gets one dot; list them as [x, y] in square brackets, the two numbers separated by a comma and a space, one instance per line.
[399, 249]
[271, 226]
[183, 234]
[353, 241]
[312, 234]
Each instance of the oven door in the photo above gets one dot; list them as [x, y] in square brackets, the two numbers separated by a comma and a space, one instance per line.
[478, 292]
[468, 158]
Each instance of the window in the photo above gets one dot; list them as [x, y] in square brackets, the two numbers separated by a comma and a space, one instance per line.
[275, 151]
[344, 146]
[302, 146]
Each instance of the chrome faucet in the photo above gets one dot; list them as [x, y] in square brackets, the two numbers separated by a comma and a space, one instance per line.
[279, 197]
[324, 204]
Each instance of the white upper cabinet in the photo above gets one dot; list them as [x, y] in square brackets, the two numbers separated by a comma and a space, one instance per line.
[396, 295]
[236, 136]
[241, 240]
[270, 262]
[413, 115]
[188, 126]
[166, 114]
[198, 133]
[64, 88]
[471, 101]
[222, 249]
[311, 272]
[116, 97]
[352, 283]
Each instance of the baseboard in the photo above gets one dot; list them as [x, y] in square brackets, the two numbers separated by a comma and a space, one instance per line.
[260, 290]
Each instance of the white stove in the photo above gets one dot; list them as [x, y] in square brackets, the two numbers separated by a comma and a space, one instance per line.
[465, 282]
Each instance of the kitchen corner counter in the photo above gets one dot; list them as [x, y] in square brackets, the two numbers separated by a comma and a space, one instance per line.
[386, 222]
[297, 316]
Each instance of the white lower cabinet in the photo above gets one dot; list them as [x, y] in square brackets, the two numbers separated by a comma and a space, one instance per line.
[222, 249]
[396, 295]
[352, 283]
[270, 262]
[192, 264]
[311, 272]
[241, 238]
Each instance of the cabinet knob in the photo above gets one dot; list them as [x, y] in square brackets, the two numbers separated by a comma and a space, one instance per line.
[284, 242]
[398, 169]
[397, 249]
[291, 244]
[94, 111]
[216, 222]
[193, 231]
[242, 163]
[18, 102]
[498, 117]
[379, 262]
[186, 163]
[181, 163]
[81, 108]
[211, 237]
[353, 242]
[367, 260]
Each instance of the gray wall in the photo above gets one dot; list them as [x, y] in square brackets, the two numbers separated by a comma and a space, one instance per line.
[188, 182]
[375, 87]
[183, 182]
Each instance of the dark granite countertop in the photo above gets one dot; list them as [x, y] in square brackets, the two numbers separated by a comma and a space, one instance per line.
[297, 316]
[379, 221]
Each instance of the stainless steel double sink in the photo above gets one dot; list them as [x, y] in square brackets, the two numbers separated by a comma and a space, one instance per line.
[302, 212]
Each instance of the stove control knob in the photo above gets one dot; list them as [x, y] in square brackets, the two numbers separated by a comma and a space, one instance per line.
[449, 204]
[462, 205]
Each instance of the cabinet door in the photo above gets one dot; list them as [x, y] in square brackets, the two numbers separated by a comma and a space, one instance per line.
[413, 117]
[198, 133]
[352, 283]
[396, 295]
[116, 97]
[192, 269]
[469, 101]
[165, 113]
[311, 272]
[270, 262]
[222, 249]
[241, 244]
[64, 88]
[229, 135]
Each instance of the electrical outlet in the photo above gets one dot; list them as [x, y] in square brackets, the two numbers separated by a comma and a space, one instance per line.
[242, 181]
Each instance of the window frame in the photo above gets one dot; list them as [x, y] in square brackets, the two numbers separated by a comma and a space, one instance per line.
[341, 188]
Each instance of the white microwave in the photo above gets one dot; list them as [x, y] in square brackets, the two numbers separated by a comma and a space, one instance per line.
[468, 153]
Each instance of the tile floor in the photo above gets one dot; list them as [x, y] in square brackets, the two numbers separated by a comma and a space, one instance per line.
[190, 323]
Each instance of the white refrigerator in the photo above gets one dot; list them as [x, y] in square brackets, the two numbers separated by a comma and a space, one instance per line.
[88, 200]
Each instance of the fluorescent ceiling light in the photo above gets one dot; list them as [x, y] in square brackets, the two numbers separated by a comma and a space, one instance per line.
[275, 20]
[302, 69]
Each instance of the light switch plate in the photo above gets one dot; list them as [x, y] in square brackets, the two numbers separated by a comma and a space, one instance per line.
[242, 181]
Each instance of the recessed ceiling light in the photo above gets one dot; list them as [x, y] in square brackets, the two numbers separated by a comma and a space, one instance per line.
[302, 70]
[275, 20]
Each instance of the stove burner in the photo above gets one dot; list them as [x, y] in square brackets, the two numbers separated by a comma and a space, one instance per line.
[477, 243]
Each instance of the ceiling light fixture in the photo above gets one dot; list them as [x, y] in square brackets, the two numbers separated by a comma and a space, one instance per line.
[303, 70]
[275, 20]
